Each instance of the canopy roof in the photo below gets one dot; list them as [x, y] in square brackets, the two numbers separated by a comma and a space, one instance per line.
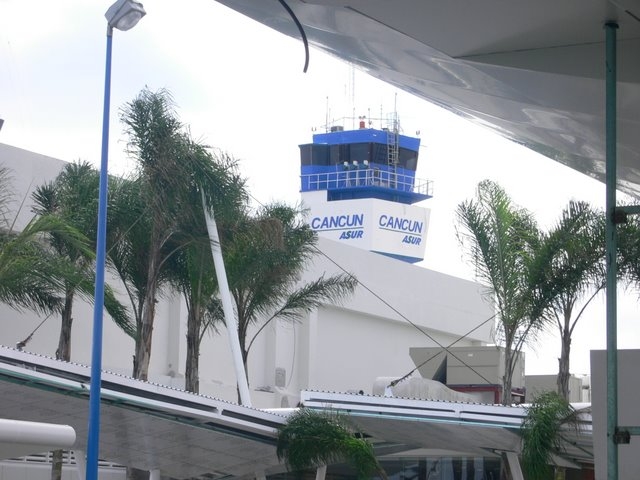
[184, 435]
[434, 427]
[531, 71]
[143, 425]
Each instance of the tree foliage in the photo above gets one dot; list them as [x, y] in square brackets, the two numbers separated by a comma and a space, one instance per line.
[32, 276]
[629, 250]
[499, 238]
[72, 197]
[265, 256]
[541, 433]
[567, 273]
[312, 439]
[173, 173]
[191, 268]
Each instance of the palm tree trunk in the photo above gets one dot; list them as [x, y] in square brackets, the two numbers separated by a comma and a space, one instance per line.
[143, 340]
[563, 362]
[192, 375]
[508, 373]
[63, 353]
[145, 332]
[64, 340]
[245, 356]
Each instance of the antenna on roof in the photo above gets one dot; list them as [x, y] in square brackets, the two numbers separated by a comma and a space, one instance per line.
[326, 116]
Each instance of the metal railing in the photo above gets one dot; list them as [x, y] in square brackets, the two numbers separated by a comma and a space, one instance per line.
[366, 177]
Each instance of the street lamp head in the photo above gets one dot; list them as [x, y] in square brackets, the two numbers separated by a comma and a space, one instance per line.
[124, 14]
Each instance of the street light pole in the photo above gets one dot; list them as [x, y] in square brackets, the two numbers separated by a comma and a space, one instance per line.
[122, 15]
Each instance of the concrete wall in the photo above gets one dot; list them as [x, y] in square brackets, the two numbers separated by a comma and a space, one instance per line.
[579, 389]
[28, 170]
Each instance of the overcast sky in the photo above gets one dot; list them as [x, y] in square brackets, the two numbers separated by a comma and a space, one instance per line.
[240, 88]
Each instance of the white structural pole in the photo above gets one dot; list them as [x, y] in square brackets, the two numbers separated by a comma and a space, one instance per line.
[514, 466]
[321, 472]
[81, 463]
[154, 474]
[227, 308]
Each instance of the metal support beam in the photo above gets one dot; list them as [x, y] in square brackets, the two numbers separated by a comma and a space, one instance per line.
[623, 434]
[227, 305]
[611, 249]
[635, 431]
[514, 466]
[623, 211]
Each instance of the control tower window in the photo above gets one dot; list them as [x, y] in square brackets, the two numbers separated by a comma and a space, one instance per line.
[339, 154]
[408, 159]
[360, 151]
[314, 155]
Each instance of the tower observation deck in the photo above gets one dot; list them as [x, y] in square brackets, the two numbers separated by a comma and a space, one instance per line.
[360, 187]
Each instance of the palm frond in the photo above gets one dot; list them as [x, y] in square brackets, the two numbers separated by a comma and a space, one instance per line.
[541, 430]
[311, 439]
[322, 291]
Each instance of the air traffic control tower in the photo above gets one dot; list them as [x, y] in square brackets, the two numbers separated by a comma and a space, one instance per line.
[359, 187]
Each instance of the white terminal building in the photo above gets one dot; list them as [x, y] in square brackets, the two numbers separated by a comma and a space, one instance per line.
[360, 191]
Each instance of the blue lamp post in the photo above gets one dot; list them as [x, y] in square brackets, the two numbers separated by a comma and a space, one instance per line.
[122, 15]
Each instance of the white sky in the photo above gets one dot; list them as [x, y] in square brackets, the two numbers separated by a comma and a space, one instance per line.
[240, 87]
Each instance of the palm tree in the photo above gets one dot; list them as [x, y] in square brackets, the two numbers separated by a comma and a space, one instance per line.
[127, 240]
[172, 171]
[567, 273]
[499, 238]
[265, 255]
[31, 277]
[193, 275]
[629, 250]
[312, 439]
[191, 268]
[542, 431]
[72, 197]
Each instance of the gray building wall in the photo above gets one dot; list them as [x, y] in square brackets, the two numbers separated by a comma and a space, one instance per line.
[628, 411]
[579, 389]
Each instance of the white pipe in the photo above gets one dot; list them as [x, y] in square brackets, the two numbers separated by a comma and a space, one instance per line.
[154, 474]
[225, 297]
[52, 435]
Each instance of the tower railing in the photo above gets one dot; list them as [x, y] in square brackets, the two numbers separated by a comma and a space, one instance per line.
[366, 178]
